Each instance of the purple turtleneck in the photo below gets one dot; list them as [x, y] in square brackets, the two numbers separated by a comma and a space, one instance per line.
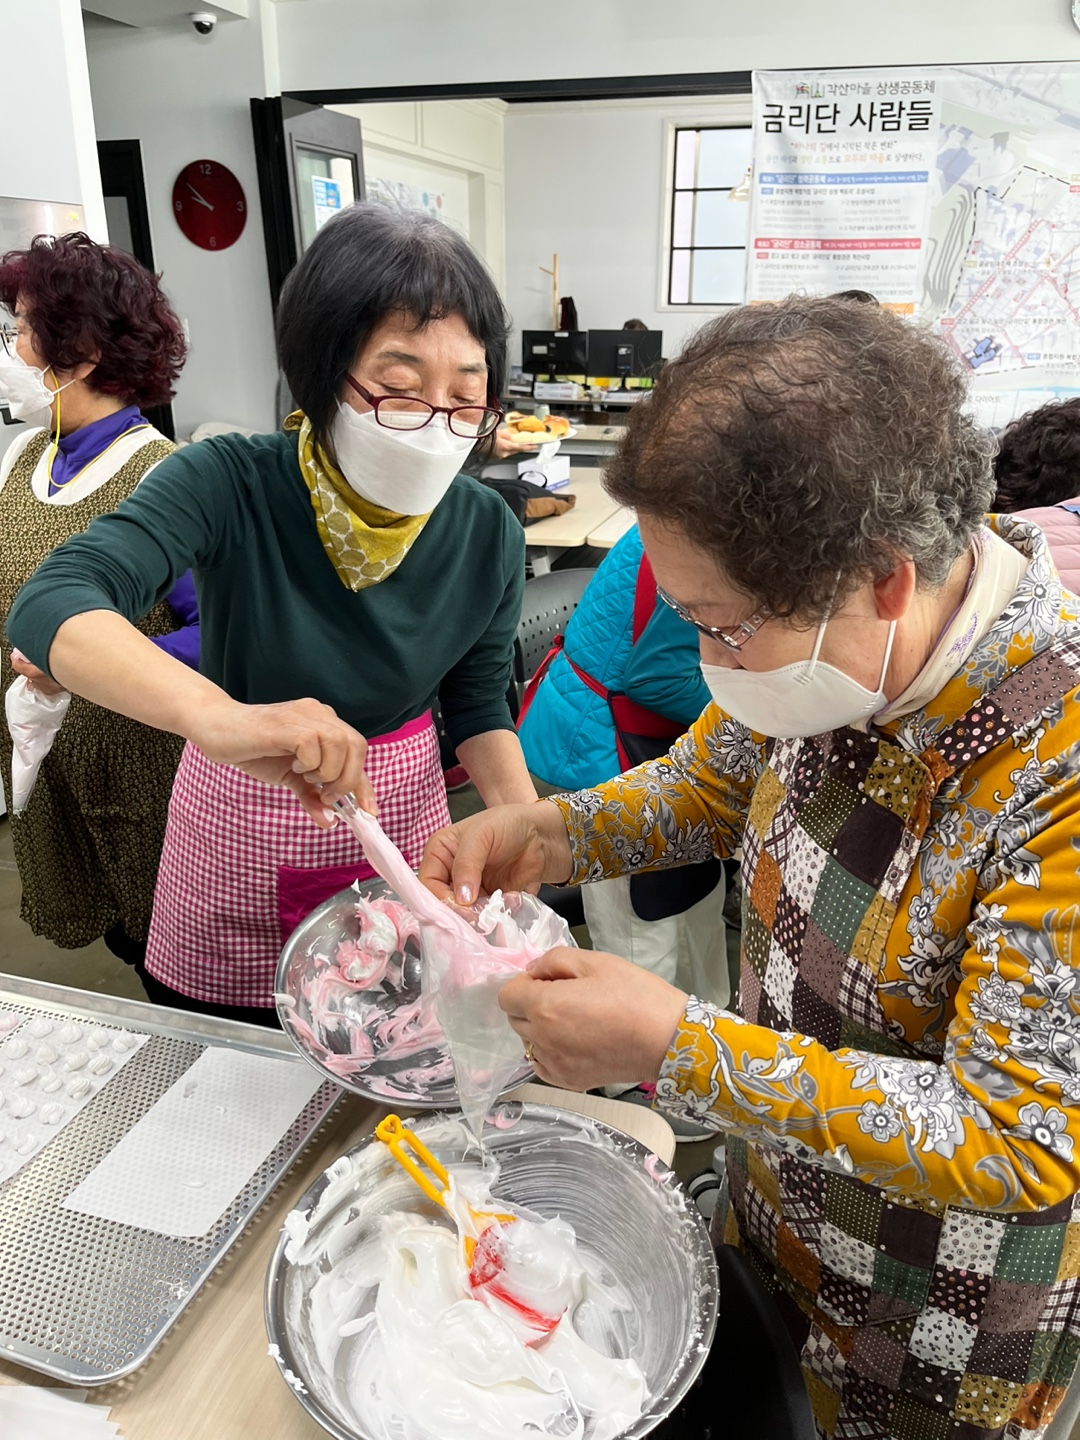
[76, 451]
[85, 444]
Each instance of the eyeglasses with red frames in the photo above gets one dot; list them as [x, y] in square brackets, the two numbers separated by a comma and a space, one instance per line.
[733, 639]
[402, 412]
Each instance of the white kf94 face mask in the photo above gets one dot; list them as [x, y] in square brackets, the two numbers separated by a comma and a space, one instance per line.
[406, 471]
[809, 697]
[24, 391]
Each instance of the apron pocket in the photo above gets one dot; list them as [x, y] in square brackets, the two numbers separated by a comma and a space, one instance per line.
[300, 891]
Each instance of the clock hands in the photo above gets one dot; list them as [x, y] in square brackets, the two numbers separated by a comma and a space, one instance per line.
[198, 197]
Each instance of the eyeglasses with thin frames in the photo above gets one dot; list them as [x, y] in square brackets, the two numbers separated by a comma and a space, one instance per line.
[733, 639]
[402, 412]
[8, 336]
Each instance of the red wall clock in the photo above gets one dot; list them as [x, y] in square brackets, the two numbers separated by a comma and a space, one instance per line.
[209, 205]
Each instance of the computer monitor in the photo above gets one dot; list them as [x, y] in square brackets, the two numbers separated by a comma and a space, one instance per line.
[554, 352]
[625, 352]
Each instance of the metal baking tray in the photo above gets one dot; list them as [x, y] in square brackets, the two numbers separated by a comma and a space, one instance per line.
[86, 1300]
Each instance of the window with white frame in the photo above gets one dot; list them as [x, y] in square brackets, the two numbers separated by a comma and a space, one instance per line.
[710, 215]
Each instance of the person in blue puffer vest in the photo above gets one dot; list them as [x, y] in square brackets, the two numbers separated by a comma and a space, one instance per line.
[624, 682]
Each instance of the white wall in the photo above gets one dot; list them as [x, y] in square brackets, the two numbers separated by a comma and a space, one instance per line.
[46, 118]
[459, 145]
[587, 181]
[47, 147]
[430, 42]
[187, 99]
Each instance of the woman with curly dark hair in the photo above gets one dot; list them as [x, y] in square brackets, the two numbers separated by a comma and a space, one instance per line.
[1037, 470]
[93, 341]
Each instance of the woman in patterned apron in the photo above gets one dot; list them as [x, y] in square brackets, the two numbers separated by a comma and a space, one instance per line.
[90, 340]
[895, 746]
[344, 561]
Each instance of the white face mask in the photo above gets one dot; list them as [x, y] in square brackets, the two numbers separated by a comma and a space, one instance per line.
[406, 471]
[807, 698]
[25, 393]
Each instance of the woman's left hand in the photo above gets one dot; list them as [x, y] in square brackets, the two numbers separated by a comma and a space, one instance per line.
[592, 1019]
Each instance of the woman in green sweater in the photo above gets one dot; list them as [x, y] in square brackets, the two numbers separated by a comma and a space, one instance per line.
[345, 561]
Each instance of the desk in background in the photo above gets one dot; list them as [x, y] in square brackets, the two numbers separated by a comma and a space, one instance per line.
[592, 440]
[606, 400]
[566, 532]
[610, 531]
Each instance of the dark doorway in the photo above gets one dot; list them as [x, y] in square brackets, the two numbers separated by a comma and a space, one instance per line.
[300, 150]
[120, 162]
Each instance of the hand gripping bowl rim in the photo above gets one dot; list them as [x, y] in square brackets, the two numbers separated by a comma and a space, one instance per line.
[705, 1302]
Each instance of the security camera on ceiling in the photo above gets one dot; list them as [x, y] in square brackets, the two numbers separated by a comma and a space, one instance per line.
[203, 21]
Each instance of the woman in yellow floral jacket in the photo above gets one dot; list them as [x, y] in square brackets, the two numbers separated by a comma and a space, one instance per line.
[895, 749]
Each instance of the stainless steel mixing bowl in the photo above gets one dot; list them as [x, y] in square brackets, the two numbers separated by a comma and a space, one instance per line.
[625, 1206]
[391, 1074]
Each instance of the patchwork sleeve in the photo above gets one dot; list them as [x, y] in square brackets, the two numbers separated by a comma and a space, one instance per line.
[688, 806]
[994, 1123]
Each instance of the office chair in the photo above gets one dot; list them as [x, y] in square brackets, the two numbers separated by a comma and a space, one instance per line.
[548, 603]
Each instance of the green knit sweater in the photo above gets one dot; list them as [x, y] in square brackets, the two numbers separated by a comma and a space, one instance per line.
[277, 623]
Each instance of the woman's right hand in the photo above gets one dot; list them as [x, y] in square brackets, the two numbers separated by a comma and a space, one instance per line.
[511, 847]
[299, 743]
[40, 681]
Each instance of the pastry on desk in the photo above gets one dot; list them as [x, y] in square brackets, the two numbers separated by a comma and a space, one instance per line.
[553, 427]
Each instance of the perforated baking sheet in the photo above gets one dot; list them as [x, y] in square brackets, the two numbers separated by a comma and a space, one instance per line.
[86, 1299]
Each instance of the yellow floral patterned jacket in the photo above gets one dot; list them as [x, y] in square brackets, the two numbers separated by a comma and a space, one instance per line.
[970, 1093]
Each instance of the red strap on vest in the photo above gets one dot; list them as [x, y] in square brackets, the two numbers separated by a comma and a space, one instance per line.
[644, 599]
[628, 717]
[534, 683]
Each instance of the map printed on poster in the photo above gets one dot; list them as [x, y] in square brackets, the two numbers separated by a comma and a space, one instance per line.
[951, 193]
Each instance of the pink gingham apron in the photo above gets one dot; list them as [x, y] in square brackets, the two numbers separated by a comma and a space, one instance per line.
[243, 863]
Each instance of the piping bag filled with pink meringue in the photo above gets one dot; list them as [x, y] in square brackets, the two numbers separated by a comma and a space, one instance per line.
[467, 957]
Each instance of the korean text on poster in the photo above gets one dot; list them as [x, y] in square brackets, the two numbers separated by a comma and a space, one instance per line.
[841, 198]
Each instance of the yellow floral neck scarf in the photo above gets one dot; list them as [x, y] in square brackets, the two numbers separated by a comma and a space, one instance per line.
[365, 543]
